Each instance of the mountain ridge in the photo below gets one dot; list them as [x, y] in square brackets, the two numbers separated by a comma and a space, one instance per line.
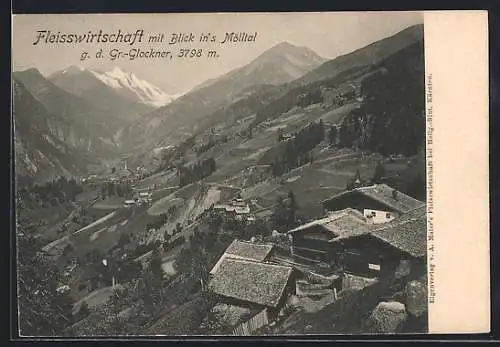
[370, 54]
[124, 83]
[280, 64]
[84, 84]
[40, 150]
[92, 126]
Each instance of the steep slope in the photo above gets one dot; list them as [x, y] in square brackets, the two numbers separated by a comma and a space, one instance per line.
[93, 126]
[174, 122]
[87, 85]
[340, 70]
[281, 64]
[391, 118]
[368, 55]
[40, 154]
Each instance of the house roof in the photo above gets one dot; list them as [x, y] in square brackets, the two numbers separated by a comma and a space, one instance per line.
[245, 209]
[341, 224]
[245, 251]
[407, 233]
[249, 250]
[383, 194]
[242, 210]
[250, 281]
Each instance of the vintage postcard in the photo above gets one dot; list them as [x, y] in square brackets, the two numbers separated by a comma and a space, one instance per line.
[235, 174]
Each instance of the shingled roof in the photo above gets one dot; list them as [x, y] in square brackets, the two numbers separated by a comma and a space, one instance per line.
[246, 251]
[344, 223]
[249, 281]
[249, 250]
[408, 233]
[385, 195]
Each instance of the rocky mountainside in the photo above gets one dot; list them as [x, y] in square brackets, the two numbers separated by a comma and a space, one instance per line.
[91, 126]
[281, 64]
[41, 152]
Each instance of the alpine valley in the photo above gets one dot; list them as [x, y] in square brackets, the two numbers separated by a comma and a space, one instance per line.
[136, 196]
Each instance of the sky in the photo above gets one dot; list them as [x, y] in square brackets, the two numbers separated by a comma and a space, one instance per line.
[329, 34]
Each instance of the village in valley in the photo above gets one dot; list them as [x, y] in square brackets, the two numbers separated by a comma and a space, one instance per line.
[303, 213]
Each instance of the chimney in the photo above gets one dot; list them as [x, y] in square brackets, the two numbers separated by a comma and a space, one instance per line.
[394, 194]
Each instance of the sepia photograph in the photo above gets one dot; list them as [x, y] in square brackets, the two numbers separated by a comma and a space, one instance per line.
[236, 174]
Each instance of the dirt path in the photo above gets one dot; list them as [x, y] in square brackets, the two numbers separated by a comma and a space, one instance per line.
[97, 222]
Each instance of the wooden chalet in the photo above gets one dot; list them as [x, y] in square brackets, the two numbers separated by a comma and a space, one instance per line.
[379, 203]
[314, 240]
[347, 241]
[403, 240]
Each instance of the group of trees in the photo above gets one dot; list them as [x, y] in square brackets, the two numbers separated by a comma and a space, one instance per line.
[333, 135]
[207, 246]
[345, 97]
[115, 189]
[309, 98]
[187, 144]
[356, 181]
[167, 158]
[296, 150]
[177, 230]
[204, 250]
[160, 221]
[123, 270]
[391, 118]
[409, 180]
[290, 94]
[197, 171]
[169, 244]
[212, 142]
[132, 305]
[285, 216]
[50, 193]
[43, 311]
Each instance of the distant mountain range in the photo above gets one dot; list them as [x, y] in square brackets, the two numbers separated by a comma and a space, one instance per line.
[92, 124]
[256, 88]
[280, 64]
[121, 85]
[114, 113]
[72, 112]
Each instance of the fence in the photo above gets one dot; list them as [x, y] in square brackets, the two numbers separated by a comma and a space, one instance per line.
[251, 325]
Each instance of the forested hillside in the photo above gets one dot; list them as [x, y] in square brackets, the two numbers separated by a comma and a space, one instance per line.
[391, 118]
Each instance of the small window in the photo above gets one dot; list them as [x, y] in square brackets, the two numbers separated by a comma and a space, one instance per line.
[387, 215]
[374, 267]
[374, 213]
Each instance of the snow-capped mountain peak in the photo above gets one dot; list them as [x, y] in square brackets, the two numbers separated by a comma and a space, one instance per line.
[133, 88]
